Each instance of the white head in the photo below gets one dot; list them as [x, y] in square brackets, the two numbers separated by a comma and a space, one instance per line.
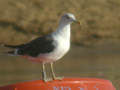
[68, 18]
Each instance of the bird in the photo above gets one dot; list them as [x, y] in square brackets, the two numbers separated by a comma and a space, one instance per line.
[49, 48]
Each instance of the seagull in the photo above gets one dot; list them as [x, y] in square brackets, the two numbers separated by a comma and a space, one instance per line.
[49, 48]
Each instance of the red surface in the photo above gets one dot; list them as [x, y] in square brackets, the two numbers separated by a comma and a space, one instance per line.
[65, 84]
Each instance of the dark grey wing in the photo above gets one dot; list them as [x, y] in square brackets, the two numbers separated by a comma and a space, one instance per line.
[35, 47]
[13, 46]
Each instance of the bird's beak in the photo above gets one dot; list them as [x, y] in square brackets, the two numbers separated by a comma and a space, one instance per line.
[76, 21]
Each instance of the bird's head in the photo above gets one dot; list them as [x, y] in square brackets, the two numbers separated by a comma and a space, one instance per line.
[68, 18]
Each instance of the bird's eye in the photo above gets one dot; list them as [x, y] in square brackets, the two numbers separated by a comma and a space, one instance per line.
[67, 17]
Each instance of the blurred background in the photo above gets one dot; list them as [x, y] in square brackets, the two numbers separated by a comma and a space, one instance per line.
[95, 49]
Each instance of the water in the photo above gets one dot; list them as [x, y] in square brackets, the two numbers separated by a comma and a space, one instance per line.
[98, 62]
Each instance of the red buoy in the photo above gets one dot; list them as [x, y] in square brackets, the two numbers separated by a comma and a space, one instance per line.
[65, 84]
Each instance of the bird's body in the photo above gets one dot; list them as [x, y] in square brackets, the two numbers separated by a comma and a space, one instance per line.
[49, 48]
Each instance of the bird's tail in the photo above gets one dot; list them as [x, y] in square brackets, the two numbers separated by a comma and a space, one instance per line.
[12, 52]
[9, 46]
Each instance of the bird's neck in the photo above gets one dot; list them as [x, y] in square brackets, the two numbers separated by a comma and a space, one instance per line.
[63, 31]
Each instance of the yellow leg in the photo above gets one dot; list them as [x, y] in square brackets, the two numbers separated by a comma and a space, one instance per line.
[44, 75]
[53, 74]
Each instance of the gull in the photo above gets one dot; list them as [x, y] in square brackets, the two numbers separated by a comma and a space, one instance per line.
[49, 48]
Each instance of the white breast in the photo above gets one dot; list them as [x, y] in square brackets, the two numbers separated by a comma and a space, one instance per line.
[61, 49]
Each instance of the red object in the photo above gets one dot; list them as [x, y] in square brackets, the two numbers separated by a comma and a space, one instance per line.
[65, 84]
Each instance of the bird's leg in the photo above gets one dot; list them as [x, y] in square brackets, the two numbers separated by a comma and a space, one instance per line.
[44, 76]
[44, 72]
[53, 74]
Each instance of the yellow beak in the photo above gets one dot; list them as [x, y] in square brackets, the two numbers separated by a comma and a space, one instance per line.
[78, 22]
